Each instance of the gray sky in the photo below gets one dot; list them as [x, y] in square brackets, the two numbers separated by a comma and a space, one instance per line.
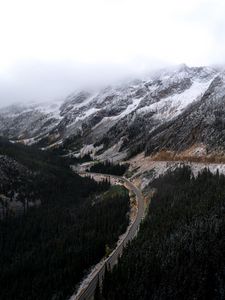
[51, 47]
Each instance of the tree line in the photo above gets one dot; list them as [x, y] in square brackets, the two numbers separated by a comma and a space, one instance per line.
[108, 167]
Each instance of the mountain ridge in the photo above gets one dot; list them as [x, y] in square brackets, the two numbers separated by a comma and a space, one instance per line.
[161, 111]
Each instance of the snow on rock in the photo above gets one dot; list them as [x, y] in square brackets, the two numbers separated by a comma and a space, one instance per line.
[150, 101]
[113, 154]
[90, 149]
[172, 106]
[86, 114]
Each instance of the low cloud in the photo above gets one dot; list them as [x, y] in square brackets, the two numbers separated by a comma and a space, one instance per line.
[50, 48]
[43, 81]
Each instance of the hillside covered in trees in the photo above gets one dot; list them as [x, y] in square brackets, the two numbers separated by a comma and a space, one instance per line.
[109, 168]
[46, 250]
[179, 251]
[29, 176]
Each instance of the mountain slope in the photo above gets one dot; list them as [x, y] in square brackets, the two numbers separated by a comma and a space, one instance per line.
[32, 177]
[31, 122]
[201, 124]
[178, 253]
[54, 224]
[156, 112]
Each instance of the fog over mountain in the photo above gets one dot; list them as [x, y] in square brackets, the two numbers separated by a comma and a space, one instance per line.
[51, 48]
[42, 81]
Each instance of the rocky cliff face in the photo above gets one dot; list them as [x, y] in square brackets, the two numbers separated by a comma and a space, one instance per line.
[29, 122]
[201, 123]
[172, 109]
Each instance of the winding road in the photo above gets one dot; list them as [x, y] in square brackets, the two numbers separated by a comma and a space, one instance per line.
[86, 292]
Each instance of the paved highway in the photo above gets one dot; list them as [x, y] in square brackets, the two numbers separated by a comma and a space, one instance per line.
[87, 292]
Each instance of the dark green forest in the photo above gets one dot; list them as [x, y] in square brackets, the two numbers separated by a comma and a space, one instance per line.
[180, 250]
[109, 168]
[46, 251]
[42, 176]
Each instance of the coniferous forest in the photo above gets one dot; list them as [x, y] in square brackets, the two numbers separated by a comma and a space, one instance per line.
[180, 250]
[46, 251]
[109, 168]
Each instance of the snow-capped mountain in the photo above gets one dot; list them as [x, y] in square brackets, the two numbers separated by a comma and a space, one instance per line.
[172, 109]
[30, 122]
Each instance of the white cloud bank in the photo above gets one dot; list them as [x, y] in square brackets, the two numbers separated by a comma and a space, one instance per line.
[50, 47]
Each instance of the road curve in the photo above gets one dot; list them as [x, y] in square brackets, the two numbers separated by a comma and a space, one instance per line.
[87, 293]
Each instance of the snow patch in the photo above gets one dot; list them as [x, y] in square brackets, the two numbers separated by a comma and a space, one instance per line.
[170, 107]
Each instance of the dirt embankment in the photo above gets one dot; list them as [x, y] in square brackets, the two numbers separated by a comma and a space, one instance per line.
[218, 158]
[144, 169]
[197, 153]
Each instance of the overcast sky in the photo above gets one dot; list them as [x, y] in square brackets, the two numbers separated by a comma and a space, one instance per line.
[49, 48]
